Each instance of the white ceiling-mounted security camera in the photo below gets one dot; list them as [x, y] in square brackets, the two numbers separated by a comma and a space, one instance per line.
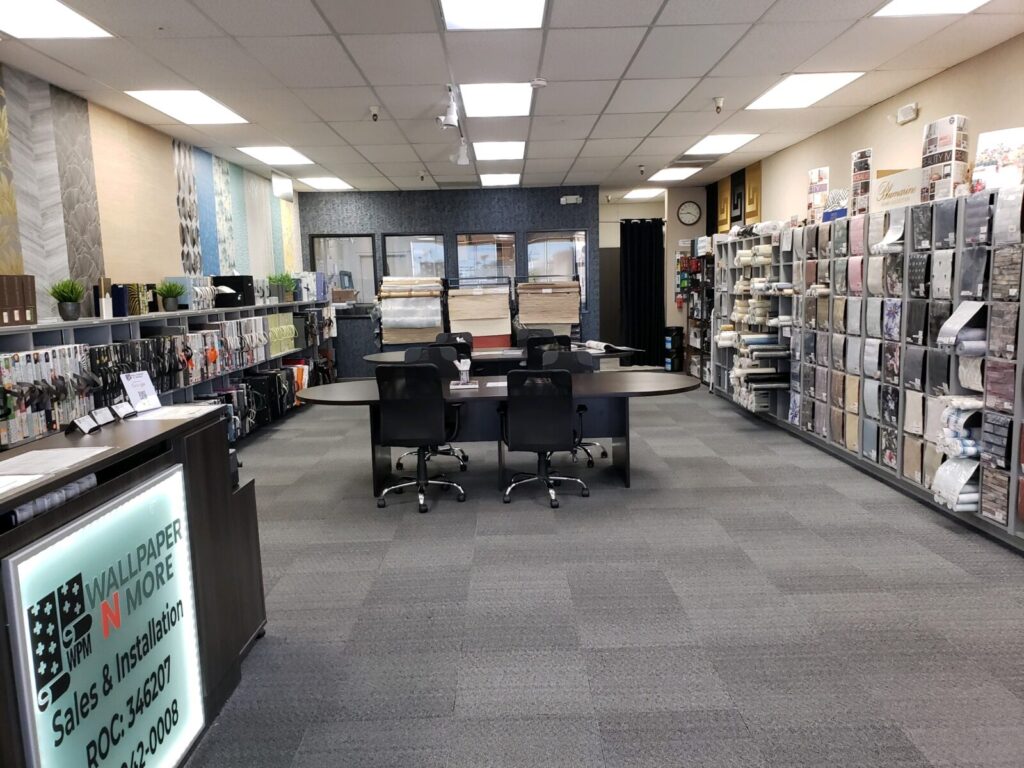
[719, 103]
[375, 114]
[450, 119]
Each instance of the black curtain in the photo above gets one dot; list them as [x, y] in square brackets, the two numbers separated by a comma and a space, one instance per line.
[642, 288]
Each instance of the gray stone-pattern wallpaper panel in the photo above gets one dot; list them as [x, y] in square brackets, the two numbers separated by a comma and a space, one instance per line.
[188, 209]
[10, 242]
[36, 183]
[225, 214]
[456, 212]
[78, 188]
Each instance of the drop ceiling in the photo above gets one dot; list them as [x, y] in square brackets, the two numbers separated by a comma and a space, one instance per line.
[629, 82]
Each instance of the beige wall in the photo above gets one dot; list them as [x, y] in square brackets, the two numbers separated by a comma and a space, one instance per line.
[137, 189]
[611, 213]
[988, 89]
[674, 232]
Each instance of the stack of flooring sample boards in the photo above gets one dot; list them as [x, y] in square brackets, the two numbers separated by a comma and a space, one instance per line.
[553, 305]
[482, 310]
[410, 309]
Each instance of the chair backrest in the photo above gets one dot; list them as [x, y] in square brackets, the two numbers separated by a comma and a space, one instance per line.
[540, 411]
[443, 357]
[463, 350]
[453, 338]
[411, 408]
[573, 362]
[536, 347]
[525, 334]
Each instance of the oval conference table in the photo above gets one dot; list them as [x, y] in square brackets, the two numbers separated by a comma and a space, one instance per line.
[498, 360]
[605, 393]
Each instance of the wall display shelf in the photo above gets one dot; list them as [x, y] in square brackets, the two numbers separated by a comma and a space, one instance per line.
[700, 302]
[884, 372]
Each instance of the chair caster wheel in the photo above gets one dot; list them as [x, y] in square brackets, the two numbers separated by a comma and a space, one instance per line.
[462, 467]
[604, 454]
[506, 499]
[585, 492]
[554, 503]
[590, 463]
[381, 503]
[398, 465]
[461, 497]
[423, 508]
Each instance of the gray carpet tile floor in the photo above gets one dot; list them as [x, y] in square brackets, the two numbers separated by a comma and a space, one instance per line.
[751, 601]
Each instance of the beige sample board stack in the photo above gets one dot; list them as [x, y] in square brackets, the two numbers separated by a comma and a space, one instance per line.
[410, 309]
[549, 305]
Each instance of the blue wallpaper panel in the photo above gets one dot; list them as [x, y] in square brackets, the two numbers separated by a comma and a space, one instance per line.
[276, 232]
[239, 218]
[207, 199]
[458, 212]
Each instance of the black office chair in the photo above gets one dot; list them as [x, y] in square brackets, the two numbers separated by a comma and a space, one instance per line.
[444, 358]
[538, 417]
[537, 346]
[576, 362]
[457, 340]
[525, 334]
[412, 412]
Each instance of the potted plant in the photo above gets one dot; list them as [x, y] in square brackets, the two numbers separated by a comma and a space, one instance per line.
[282, 286]
[169, 294]
[68, 294]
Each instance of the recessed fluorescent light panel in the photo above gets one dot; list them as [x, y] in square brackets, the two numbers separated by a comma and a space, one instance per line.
[645, 193]
[326, 183]
[675, 174]
[493, 14]
[721, 143]
[497, 99]
[798, 91]
[276, 155]
[45, 19]
[189, 107]
[929, 7]
[499, 179]
[499, 150]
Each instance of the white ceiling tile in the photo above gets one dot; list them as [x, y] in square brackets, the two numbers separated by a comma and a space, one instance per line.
[608, 147]
[963, 39]
[448, 170]
[381, 16]
[427, 132]
[246, 135]
[224, 64]
[399, 168]
[760, 121]
[597, 163]
[435, 153]
[689, 123]
[542, 179]
[816, 10]
[376, 184]
[113, 62]
[498, 128]
[368, 132]
[125, 105]
[339, 104]
[500, 166]
[773, 142]
[347, 171]
[414, 102]
[184, 133]
[773, 48]
[310, 134]
[713, 11]
[650, 95]
[589, 54]
[497, 56]
[582, 178]
[554, 149]
[602, 13]
[228, 152]
[549, 165]
[870, 42]
[876, 86]
[332, 155]
[670, 146]
[683, 51]
[557, 127]
[650, 161]
[388, 153]
[623, 126]
[146, 18]
[580, 97]
[272, 105]
[258, 18]
[16, 54]
[407, 59]
[738, 92]
[1002, 6]
[305, 62]
[413, 182]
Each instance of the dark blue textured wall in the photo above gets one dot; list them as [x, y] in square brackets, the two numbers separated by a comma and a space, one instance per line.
[459, 212]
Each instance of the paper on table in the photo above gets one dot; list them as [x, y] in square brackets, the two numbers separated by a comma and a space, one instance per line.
[175, 413]
[48, 461]
[497, 384]
[467, 385]
[9, 483]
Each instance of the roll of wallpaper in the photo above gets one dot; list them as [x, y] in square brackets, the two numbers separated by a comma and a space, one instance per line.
[970, 373]
[971, 348]
[972, 334]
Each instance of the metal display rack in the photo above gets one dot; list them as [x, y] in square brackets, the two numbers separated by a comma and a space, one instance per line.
[700, 306]
[815, 330]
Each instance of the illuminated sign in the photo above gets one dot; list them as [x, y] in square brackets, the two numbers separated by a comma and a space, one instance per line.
[103, 627]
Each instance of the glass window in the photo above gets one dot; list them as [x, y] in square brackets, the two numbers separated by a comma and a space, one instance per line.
[559, 254]
[487, 255]
[348, 263]
[414, 255]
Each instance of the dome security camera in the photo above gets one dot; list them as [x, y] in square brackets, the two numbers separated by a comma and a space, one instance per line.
[643, 170]
[719, 103]
[375, 114]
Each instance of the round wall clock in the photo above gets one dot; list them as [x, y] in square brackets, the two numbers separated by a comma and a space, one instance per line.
[688, 213]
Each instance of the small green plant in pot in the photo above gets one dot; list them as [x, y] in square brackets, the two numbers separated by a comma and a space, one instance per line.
[170, 293]
[282, 285]
[68, 294]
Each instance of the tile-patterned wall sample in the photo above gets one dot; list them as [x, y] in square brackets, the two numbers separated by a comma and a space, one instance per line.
[76, 167]
[225, 219]
[10, 242]
[240, 216]
[206, 201]
[258, 217]
[136, 188]
[455, 212]
[188, 208]
[36, 183]
[291, 242]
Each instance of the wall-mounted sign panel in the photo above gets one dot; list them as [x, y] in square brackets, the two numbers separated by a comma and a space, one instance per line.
[103, 627]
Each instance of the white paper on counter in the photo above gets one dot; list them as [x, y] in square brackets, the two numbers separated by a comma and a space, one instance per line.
[175, 413]
[10, 483]
[48, 461]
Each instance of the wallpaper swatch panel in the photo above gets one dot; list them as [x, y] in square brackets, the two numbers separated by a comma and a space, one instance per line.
[188, 208]
[275, 231]
[240, 216]
[10, 241]
[261, 241]
[206, 200]
[225, 219]
[290, 239]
